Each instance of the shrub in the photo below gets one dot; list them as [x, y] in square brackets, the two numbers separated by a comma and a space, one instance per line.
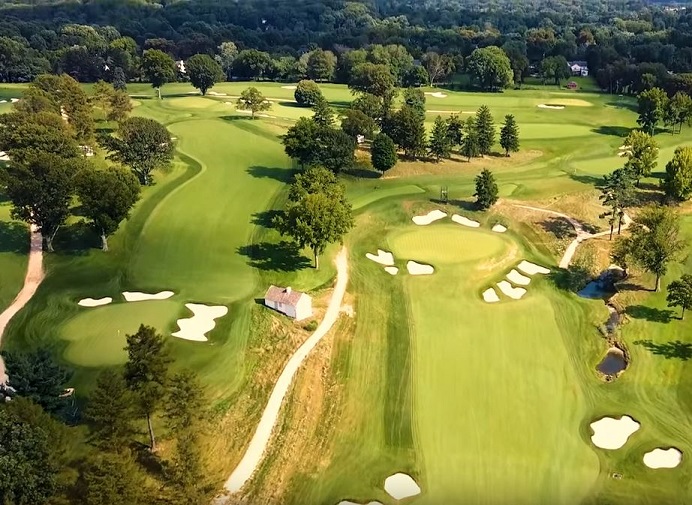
[307, 93]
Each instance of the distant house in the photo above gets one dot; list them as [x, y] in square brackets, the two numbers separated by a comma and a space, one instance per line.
[579, 68]
[292, 303]
[180, 64]
[572, 85]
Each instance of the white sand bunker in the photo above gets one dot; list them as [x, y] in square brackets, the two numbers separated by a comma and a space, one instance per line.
[465, 221]
[346, 502]
[4, 156]
[432, 216]
[611, 433]
[289, 87]
[419, 268]
[490, 296]
[663, 458]
[14, 100]
[498, 228]
[624, 147]
[400, 486]
[436, 94]
[545, 106]
[382, 257]
[94, 302]
[531, 268]
[136, 296]
[391, 270]
[511, 291]
[215, 93]
[516, 278]
[195, 327]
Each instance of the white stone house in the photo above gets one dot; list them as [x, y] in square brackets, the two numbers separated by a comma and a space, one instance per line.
[287, 301]
[579, 68]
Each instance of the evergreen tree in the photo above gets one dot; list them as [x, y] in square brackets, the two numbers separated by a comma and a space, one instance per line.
[509, 135]
[119, 79]
[485, 130]
[324, 115]
[110, 411]
[469, 146]
[486, 190]
[440, 146]
[415, 98]
[111, 478]
[617, 194]
[677, 182]
[455, 130]
[406, 127]
[383, 152]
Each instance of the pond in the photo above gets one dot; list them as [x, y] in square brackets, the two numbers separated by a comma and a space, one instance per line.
[597, 290]
[613, 363]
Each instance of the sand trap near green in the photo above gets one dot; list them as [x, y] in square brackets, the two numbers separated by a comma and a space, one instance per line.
[96, 337]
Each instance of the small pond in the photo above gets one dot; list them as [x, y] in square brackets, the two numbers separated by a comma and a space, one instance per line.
[613, 363]
[597, 290]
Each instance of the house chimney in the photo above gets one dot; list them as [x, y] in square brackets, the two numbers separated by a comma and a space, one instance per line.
[288, 290]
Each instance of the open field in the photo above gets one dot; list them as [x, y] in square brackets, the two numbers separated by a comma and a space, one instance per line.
[480, 403]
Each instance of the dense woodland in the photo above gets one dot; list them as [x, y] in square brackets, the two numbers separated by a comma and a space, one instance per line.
[629, 46]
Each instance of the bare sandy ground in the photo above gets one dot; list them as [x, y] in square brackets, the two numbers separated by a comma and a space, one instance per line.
[34, 276]
[464, 221]
[391, 270]
[415, 268]
[516, 278]
[382, 257]
[137, 296]
[511, 291]
[498, 228]
[400, 486]
[663, 458]
[94, 302]
[611, 433]
[490, 296]
[430, 217]
[555, 107]
[258, 445]
[203, 321]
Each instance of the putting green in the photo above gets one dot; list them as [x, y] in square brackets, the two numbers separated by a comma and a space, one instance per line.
[96, 336]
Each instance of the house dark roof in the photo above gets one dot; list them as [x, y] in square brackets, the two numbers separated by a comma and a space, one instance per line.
[283, 295]
[580, 63]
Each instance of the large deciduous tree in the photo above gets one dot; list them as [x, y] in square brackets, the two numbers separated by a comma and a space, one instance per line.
[142, 144]
[642, 154]
[321, 65]
[383, 152]
[146, 373]
[158, 68]
[437, 66]
[355, 122]
[204, 72]
[485, 129]
[509, 135]
[301, 141]
[307, 93]
[677, 182]
[555, 68]
[490, 68]
[24, 136]
[253, 100]
[651, 105]
[107, 196]
[486, 190]
[73, 103]
[680, 294]
[373, 79]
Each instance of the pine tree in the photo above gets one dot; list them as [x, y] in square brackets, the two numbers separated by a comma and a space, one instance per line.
[469, 147]
[617, 194]
[383, 152]
[509, 135]
[110, 411]
[455, 130]
[440, 146]
[485, 129]
[324, 115]
[486, 190]
[119, 79]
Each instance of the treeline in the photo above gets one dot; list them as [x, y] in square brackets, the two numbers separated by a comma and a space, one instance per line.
[624, 44]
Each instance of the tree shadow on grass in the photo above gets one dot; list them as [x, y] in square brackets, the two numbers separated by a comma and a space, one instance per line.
[284, 256]
[629, 286]
[559, 227]
[14, 237]
[362, 173]
[673, 349]
[76, 239]
[593, 180]
[266, 218]
[276, 173]
[649, 313]
[614, 131]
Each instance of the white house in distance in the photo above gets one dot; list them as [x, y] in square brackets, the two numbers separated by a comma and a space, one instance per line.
[579, 68]
[292, 303]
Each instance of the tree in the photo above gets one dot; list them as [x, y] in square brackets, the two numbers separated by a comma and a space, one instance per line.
[25, 136]
[301, 141]
[680, 294]
[307, 93]
[437, 66]
[253, 100]
[616, 193]
[119, 79]
[651, 104]
[107, 196]
[336, 149]
[677, 182]
[555, 68]
[186, 472]
[38, 378]
[383, 152]
[315, 180]
[355, 122]
[204, 72]
[486, 190]
[120, 106]
[323, 113]
[407, 129]
[72, 101]
[227, 53]
[395, 56]
[321, 65]
[440, 145]
[679, 110]
[158, 68]
[655, 240]
[40, 190]
[110, 411]
[111, 478]
[185, 405]
[490, 68]
[455, 130]
[485, 129]
[315, 221]
[373, 79]
[146, 372]
[641, 158]
[251, 64]
[102, 93]
[509, 135]
[415, 77]
[469, 146]
[516, 52]
[415, 98]
[142, 144]
[368, 104]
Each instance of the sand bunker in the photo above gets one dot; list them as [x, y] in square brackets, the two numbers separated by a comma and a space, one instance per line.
[4, 156]
[624, 147]
[490, 296]
[465, 221]
[214, 93]
[498, 228]
[289, 87]
[436, 94]
[382, 257]
[391, 270]
[400, 486]
[531, 268]
[94, 302]
[136, 296]
[611, 433]
[663, 458]
[346, 502]
[432, 216]
[195, 327]
[545, 106]
[419, 268]
[516, 278]
[511, 291]
[14, 100]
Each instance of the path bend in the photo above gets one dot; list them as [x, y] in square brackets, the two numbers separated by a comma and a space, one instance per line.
[255, 452]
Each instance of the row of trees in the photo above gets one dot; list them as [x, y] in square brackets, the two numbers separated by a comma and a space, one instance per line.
[654, 107]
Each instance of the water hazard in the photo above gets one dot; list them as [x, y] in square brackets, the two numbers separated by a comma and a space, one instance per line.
[613, 363]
